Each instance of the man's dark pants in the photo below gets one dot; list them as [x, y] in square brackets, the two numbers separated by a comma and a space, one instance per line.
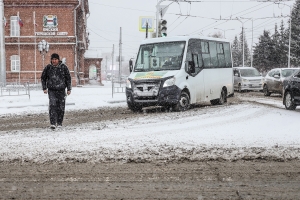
[57, 102]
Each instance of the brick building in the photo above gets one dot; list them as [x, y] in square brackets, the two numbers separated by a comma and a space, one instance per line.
[62, 24]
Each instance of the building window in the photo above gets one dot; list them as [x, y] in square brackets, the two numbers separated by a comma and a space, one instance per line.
[15, 63]
[14, 26]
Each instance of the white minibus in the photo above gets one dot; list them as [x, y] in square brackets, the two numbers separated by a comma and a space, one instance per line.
[175, 72]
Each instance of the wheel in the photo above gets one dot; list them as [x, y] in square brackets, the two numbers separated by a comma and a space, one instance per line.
[221, 100]
[183, 103]
[132, 106]
[288, 101]
[239, 88]
[266, 91]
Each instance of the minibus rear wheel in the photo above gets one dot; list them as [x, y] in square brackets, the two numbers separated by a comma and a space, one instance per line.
[221, 100]
[184, 102]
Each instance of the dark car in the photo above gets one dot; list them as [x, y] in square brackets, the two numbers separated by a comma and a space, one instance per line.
[291, 91]
[274, 79]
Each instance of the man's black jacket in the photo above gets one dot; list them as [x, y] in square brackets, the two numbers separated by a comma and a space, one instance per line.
[56, 78]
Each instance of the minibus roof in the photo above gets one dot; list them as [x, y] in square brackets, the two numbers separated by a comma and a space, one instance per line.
[180, 38]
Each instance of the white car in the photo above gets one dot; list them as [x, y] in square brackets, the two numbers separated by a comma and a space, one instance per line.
[247, 78]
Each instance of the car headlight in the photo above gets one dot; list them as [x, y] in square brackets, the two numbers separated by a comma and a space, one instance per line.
[169, 82]
[245, 80]
[128, 84]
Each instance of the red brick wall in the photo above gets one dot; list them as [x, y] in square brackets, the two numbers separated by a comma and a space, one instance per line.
[63, 45]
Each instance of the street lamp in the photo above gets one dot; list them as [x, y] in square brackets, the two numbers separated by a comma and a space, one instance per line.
[43, 47]
[243, 39]
[224, 31]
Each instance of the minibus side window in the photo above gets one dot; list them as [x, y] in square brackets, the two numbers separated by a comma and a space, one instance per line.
[205, 54]
[194, 55]
[221, 55]
[213, 54]
[227, 55]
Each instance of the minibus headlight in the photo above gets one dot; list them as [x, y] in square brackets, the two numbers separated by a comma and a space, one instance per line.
[128, 84]
[169, 82]
[245, 80]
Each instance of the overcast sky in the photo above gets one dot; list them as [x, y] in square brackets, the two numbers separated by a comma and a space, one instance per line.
[202, 18]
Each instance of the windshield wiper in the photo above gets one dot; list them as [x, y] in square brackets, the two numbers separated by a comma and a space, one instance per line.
[139, 70]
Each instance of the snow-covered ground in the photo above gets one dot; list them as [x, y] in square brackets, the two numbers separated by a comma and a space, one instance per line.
[238, 131]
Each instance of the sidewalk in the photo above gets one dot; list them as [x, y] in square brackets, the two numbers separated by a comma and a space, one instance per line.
[88, 96]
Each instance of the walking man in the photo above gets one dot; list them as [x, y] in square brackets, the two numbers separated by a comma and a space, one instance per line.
[56, 79]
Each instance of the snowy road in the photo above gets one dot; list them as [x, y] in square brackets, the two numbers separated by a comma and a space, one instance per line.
[107, 152]
[248, 127]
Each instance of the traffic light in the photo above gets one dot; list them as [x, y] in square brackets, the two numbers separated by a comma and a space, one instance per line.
[163, 28]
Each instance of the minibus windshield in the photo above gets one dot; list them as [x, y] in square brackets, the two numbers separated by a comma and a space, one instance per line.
[160, 56]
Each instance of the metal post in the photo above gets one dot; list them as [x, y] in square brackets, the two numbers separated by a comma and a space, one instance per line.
[2, 46]
[113, 57]
[243, 45]
[120, 56]
[242, 39]
[290, 34]
[252, 46]
[34, 24]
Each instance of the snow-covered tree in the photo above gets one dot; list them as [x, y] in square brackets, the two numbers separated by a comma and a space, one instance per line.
[262, 55]
[283, 45]
[295, 34]
[236, 53]
[275, 57]
[247, 55]
[216, 35]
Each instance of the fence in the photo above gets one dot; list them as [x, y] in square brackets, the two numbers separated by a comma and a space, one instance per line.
[118, 86]
[18, 89]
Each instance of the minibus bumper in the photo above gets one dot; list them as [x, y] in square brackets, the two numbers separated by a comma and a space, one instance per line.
[167, 96]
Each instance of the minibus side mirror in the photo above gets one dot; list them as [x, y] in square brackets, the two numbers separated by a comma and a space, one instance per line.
[191, 67]
[130, 65]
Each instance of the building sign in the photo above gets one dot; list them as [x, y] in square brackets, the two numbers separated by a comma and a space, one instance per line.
[50, 21]
[45, 33]
[62, 33]
[52, 33]
[50, 29]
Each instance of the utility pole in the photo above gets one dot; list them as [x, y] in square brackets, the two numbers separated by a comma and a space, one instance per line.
[120, 55]
[106, 65]
[112, 61]
[252, 46]
[243, 46]
[251, 40]
[2, 46]
[244, 38]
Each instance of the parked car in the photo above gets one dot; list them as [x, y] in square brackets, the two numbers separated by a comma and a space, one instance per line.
[247, 78]
[291, 91]
[274, 79]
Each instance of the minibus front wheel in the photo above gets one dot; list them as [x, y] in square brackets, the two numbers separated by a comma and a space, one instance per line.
[133, 106]
[184, 102]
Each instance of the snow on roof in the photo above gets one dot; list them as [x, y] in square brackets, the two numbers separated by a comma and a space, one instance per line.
[181, 38]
